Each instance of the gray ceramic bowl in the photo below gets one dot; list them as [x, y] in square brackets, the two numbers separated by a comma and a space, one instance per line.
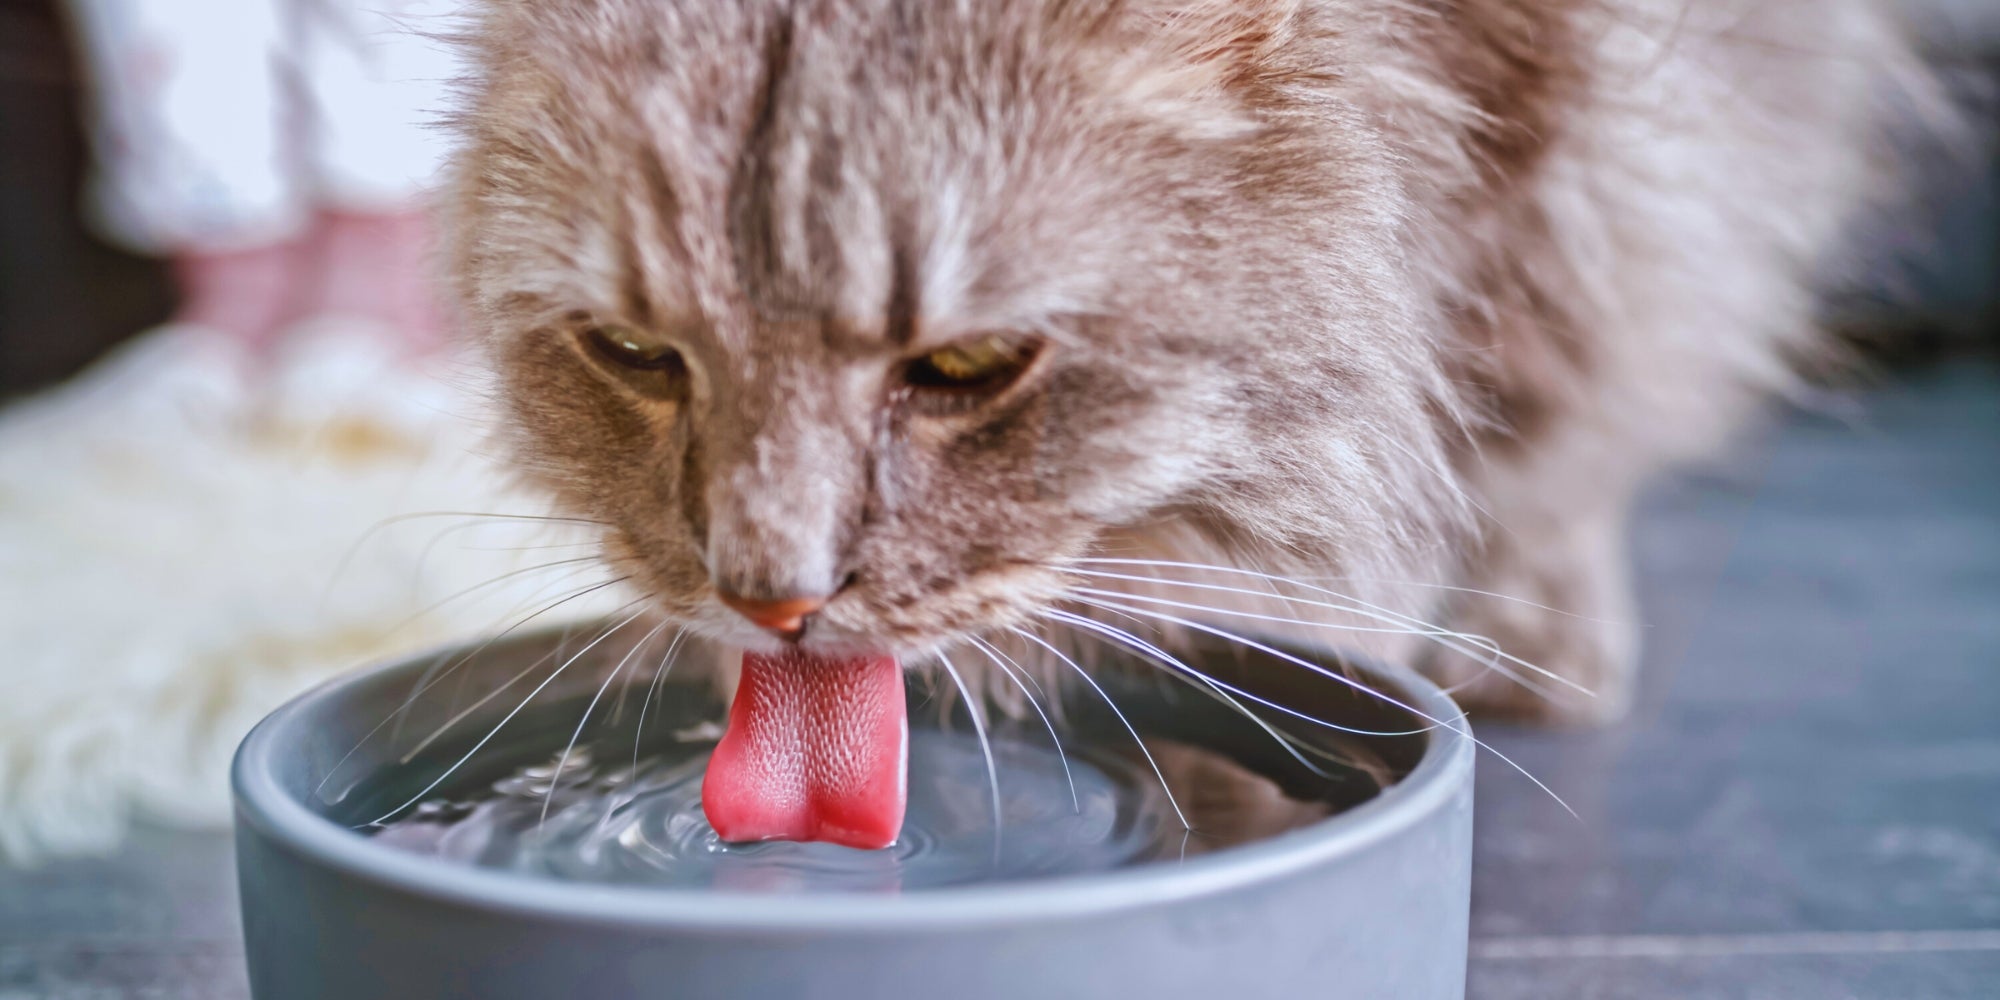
[1369, 903]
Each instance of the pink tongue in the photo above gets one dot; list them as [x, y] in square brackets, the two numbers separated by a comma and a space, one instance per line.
[815, 750]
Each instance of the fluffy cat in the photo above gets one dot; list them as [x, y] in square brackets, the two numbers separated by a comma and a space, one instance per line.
[899, 312]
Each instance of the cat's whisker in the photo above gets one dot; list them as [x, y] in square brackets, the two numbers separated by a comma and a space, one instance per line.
[985, 746]
[1363, 609]
[397, 714]
[495, 731]
[1147, 649]
[1088, 592]
[1407, 625]
[531, 548]
[625, 689]
[562, 763]
[424, 557]
[502, 578]
[462, 714]
[347, 558]
[666, 663]
[1496, 595]
[1457, 725]
[1363, 606]
[995, 655]
[1295, 747]
[1115, 710]
[1490, 665]
[554, 518]
[425, 682]
[1449, 482]
[1399, 630]
[456, 713]
[1025, 673]
[1292, 744]
[1202, 683]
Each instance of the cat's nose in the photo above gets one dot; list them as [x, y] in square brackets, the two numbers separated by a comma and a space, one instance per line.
[786, 616]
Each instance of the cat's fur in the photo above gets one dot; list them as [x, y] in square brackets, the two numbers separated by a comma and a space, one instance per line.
[1396, 291]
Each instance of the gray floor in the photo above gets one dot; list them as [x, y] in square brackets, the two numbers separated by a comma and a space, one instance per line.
[1806, 804]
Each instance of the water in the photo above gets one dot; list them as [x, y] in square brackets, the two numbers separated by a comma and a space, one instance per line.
[609, 821]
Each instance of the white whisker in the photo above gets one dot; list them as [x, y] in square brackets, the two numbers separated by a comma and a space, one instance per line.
[1449, 481]
[1414, 626]
[1460, 728]
[417, 515]
[502, 578]
[1206, 685]
[426, 682]
[460, 716]
[995, 655]
[1203, 683]
[1359, 607]
[985, 747]
[397, 716]
[1122, 720]
[666, 664]
[562, 762]
[531, 548]
[1492, 663]
[1148, 649]
[347, 558]
[1220, 690]
[495, 731]
[1496, 595]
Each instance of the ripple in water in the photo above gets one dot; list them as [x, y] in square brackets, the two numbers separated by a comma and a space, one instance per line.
[643, 825]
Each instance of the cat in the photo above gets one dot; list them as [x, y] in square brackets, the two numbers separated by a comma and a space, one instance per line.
[876, 324]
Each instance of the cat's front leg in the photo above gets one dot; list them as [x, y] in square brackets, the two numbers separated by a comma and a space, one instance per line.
[1563, 604]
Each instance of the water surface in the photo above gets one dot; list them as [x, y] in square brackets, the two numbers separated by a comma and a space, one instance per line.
[608, 815]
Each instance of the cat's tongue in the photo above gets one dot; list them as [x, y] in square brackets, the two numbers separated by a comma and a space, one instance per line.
[816, 749]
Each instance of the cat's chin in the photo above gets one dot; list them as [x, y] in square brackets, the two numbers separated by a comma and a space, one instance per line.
[838, 639]
[815, 643]
[837, 645]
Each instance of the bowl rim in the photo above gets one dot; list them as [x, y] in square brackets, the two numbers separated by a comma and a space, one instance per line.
[265, 809]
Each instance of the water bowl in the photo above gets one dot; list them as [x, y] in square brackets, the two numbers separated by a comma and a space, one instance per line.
[427, 830]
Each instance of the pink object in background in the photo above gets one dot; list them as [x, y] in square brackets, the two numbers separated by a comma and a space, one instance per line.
[280, 151]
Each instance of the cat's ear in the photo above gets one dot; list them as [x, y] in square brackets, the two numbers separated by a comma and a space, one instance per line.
[1200, 58]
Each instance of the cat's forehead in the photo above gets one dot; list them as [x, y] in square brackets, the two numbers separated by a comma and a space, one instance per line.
[853, 167]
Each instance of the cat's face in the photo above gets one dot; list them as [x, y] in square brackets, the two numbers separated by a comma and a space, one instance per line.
[906, 304]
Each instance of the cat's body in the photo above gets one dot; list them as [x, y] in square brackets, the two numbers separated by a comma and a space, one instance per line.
[1406, 293]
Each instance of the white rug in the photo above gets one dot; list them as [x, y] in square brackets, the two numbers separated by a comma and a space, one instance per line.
[182, 549]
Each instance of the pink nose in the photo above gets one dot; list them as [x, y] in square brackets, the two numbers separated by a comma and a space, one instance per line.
[786, 617]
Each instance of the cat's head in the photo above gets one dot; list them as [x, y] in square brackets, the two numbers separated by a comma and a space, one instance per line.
[902, 305]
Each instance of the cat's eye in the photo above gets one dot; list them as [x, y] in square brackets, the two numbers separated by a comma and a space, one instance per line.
[634, 349]
[983, 364]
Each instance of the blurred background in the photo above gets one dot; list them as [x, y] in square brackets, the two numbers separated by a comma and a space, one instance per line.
[233, 384]
[1809, 787]
[244, 172]
[65, 295]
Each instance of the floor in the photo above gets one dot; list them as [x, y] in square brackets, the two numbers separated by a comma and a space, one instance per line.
[1805, 805]
[1807, 802]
